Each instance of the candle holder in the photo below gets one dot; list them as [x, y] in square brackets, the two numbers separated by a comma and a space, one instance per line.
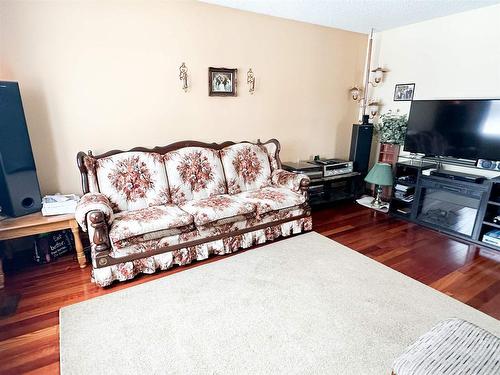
[183, 76]
[251, 81]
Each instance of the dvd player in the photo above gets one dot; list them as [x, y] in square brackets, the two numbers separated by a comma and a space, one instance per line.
[320, 168]
[334, 167]
[459, 176]
[310, 170]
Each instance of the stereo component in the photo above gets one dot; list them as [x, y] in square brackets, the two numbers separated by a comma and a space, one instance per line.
[334, 167]
[488, 164]
[310, 170]
[320, 168]
[458, 176]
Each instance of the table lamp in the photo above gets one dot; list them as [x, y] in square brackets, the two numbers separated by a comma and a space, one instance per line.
[380, 175]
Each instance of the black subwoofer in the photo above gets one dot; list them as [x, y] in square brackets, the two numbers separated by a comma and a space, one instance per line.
[19, 189]
[361, 144]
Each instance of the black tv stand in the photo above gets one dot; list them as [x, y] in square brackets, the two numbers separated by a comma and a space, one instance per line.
[466, 209]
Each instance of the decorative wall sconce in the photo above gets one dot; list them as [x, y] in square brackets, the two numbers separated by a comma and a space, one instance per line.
[355, 92]
[183, 76]
[378, 75]
[251, 81]
[374, 108]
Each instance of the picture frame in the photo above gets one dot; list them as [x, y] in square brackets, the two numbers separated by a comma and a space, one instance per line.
[404, 92]
[222, 81]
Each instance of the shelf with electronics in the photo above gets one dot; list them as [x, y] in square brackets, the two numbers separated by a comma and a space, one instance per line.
[333, 189]
[406, 177]
[490, 226]
[468, 210]
[331, 180]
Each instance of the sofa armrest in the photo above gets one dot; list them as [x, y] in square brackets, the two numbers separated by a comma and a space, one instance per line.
[93, 202]
[99, 238]
[297, 182]
[95, 214]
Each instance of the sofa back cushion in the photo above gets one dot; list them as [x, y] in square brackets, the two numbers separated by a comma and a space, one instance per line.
[194, 173]
[133, 180]
[246, 167]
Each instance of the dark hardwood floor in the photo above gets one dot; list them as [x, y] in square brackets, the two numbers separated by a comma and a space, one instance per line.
[29, 339]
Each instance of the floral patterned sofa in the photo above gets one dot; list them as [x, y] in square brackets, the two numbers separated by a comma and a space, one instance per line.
[149, 209]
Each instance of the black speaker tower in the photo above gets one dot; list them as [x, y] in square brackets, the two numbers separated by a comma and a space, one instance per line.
[19, 189]
[361, 144]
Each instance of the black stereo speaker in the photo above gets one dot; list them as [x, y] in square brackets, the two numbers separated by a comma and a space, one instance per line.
[19, 189]
[361, 144]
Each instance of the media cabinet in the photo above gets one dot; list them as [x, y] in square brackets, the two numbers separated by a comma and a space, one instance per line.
[459, 208]
[323, 190]
[327, 190]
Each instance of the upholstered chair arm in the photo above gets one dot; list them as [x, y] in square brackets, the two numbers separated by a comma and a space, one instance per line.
[99, 238]
[297, 182]
[93, 202]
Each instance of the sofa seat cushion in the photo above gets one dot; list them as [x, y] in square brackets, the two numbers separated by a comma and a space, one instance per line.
[218, 209]
[137, 245]
[150, 222]
[270, 199]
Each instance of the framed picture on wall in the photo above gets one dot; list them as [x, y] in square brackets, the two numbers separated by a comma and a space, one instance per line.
[222, 82]
[404, 92]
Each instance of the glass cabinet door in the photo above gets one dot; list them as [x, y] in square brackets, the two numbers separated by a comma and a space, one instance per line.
[449, 210]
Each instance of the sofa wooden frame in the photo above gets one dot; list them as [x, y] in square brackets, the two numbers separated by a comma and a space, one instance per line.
[98, 222]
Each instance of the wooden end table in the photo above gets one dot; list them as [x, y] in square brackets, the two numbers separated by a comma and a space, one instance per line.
[36, 224]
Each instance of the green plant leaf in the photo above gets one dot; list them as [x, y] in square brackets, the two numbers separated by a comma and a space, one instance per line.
[391, 128]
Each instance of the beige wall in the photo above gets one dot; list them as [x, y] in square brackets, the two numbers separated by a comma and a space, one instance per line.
[103, 75]
[456, 56]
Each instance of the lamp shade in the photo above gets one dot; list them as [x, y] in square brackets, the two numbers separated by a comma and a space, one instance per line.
[380, 174]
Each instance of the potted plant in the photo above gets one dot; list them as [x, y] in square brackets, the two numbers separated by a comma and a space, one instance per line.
[391, 128]
[391, 131]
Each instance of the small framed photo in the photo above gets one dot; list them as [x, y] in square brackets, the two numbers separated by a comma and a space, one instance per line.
[404, 92]
[221, 82]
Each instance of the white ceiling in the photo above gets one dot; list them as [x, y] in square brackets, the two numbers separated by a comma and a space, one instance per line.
[356, 15]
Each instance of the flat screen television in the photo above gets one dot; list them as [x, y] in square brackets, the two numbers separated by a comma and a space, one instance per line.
[465, 129]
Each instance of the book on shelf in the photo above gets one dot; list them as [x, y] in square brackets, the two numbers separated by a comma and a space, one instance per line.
[405, 188]
[404, 197]
[404, 193]
[408, 179]
[492, 237]
[403, 210]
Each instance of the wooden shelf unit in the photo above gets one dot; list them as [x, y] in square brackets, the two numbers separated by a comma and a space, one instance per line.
[389, 153]
[35, 223]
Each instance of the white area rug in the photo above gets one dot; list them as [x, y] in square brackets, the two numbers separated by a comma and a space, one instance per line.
[303, 305]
